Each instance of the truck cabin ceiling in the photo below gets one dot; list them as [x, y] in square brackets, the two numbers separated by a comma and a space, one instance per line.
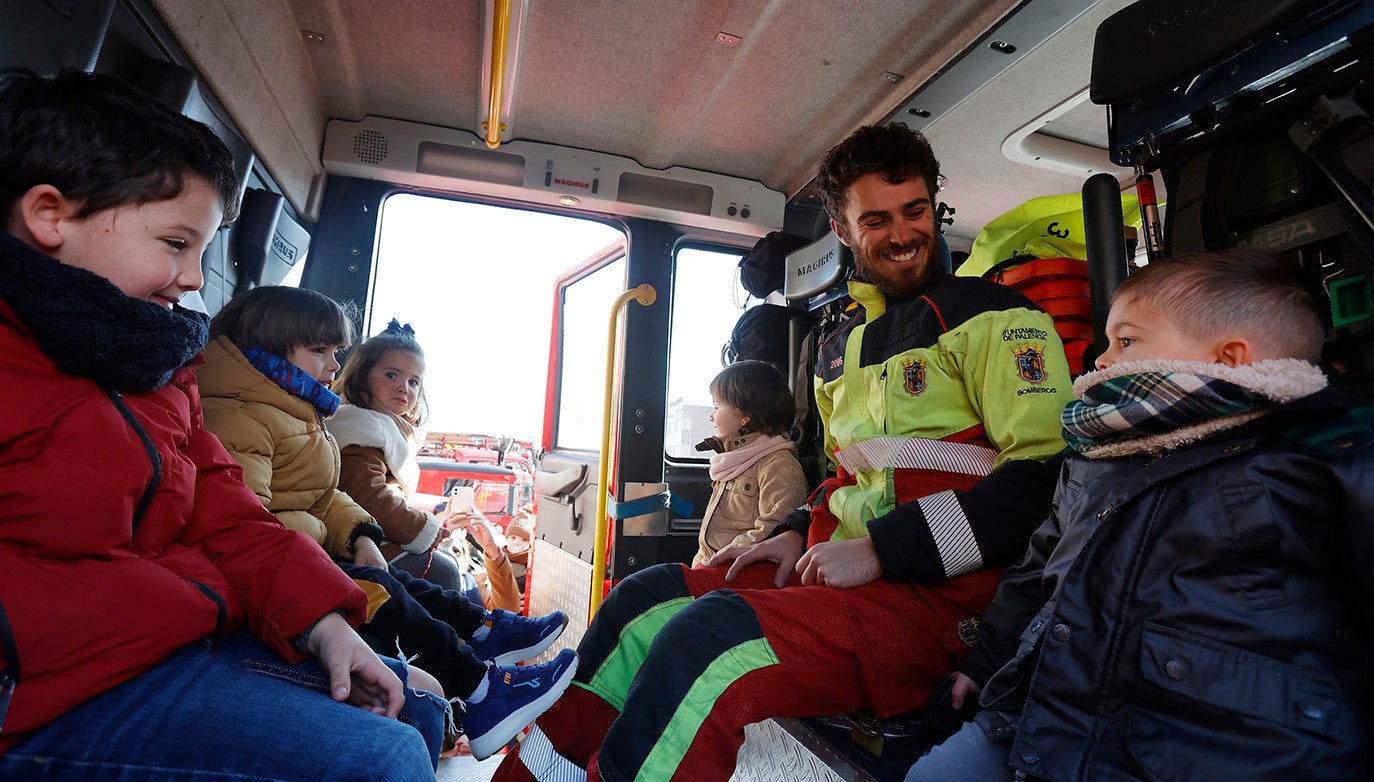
[647, 80]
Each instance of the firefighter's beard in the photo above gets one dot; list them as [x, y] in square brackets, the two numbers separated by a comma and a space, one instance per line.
[898, 279]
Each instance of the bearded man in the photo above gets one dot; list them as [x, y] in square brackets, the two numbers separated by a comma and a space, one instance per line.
[940, 398]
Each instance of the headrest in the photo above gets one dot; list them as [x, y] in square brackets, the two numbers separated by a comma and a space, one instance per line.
[824, 263]
[267, 241]
[50, 37]
[762, 271]
[816, 267]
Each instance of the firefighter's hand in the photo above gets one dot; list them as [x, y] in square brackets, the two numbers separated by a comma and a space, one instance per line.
[785, 549]
[841, 564]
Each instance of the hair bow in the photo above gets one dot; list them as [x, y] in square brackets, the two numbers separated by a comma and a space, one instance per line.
[396, 327]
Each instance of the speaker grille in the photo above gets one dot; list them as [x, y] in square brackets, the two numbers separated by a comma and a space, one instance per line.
[370, 146]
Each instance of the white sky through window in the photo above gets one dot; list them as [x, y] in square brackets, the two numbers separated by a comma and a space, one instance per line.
[476, 284]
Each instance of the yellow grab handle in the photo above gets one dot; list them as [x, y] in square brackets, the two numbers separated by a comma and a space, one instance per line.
[500, 39]
[645, 295]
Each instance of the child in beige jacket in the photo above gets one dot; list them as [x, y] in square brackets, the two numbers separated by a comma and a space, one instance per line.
[756, 478]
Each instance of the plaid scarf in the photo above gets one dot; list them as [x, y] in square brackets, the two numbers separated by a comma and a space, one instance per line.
[1149, 407]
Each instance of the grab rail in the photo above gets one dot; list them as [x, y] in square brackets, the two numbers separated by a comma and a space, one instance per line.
[645, 295]
[500, 35]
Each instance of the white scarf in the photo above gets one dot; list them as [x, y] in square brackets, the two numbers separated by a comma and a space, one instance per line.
[740, 457]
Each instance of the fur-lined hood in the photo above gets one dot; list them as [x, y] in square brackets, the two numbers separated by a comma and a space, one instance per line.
[353, 425]
[1270, 381]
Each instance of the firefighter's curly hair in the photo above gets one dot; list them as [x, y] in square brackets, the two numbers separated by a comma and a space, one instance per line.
[894, 151]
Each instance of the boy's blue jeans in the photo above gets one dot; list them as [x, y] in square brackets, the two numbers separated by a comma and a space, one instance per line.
[970, 754]
[229, 708]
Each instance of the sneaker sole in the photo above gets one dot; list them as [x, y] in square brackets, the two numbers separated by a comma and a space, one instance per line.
[498, 737]
[520, 655]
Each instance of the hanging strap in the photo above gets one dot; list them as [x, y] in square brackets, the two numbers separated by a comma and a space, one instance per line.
[650, 504]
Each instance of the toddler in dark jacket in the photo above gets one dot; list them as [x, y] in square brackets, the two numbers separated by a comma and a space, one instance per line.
[1196, 607]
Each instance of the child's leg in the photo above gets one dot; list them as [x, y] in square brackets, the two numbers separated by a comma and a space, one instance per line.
[435, 645]
[449, 607]
[500, 636]
[567, 736]
[968, 754]
[229, 707]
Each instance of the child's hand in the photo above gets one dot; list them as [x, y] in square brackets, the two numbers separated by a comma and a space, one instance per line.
[949, 706]
[482, 535]
[963, 687]
[458, 519]
[366, 553]
[355, 674]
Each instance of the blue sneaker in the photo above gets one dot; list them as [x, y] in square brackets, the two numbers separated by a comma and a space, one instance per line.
[512, 638]
[516, 695]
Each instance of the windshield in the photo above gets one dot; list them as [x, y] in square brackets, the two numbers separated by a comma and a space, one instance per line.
[492, 498]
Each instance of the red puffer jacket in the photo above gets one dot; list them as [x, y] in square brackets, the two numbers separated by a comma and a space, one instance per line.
[110, 560]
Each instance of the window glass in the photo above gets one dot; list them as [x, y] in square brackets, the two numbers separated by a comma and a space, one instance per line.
[707, 300]
[476, 283]
[293, 277]
[493, 498]
[582, 390]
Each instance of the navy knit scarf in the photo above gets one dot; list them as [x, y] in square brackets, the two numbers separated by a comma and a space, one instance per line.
[90, 328]
[293, 380]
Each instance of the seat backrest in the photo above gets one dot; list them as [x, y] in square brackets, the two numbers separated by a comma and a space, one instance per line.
[266, 244]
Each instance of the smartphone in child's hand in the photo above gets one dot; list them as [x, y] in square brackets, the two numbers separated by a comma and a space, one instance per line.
[460, 499]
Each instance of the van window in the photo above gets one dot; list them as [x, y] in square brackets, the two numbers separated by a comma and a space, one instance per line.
[707, 300]
[586, 312]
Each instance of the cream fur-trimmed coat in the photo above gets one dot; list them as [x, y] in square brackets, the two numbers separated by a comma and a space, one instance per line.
[378, 470]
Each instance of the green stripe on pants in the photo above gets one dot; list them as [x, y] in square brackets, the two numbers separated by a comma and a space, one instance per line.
[612, 680]
[672, 746]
